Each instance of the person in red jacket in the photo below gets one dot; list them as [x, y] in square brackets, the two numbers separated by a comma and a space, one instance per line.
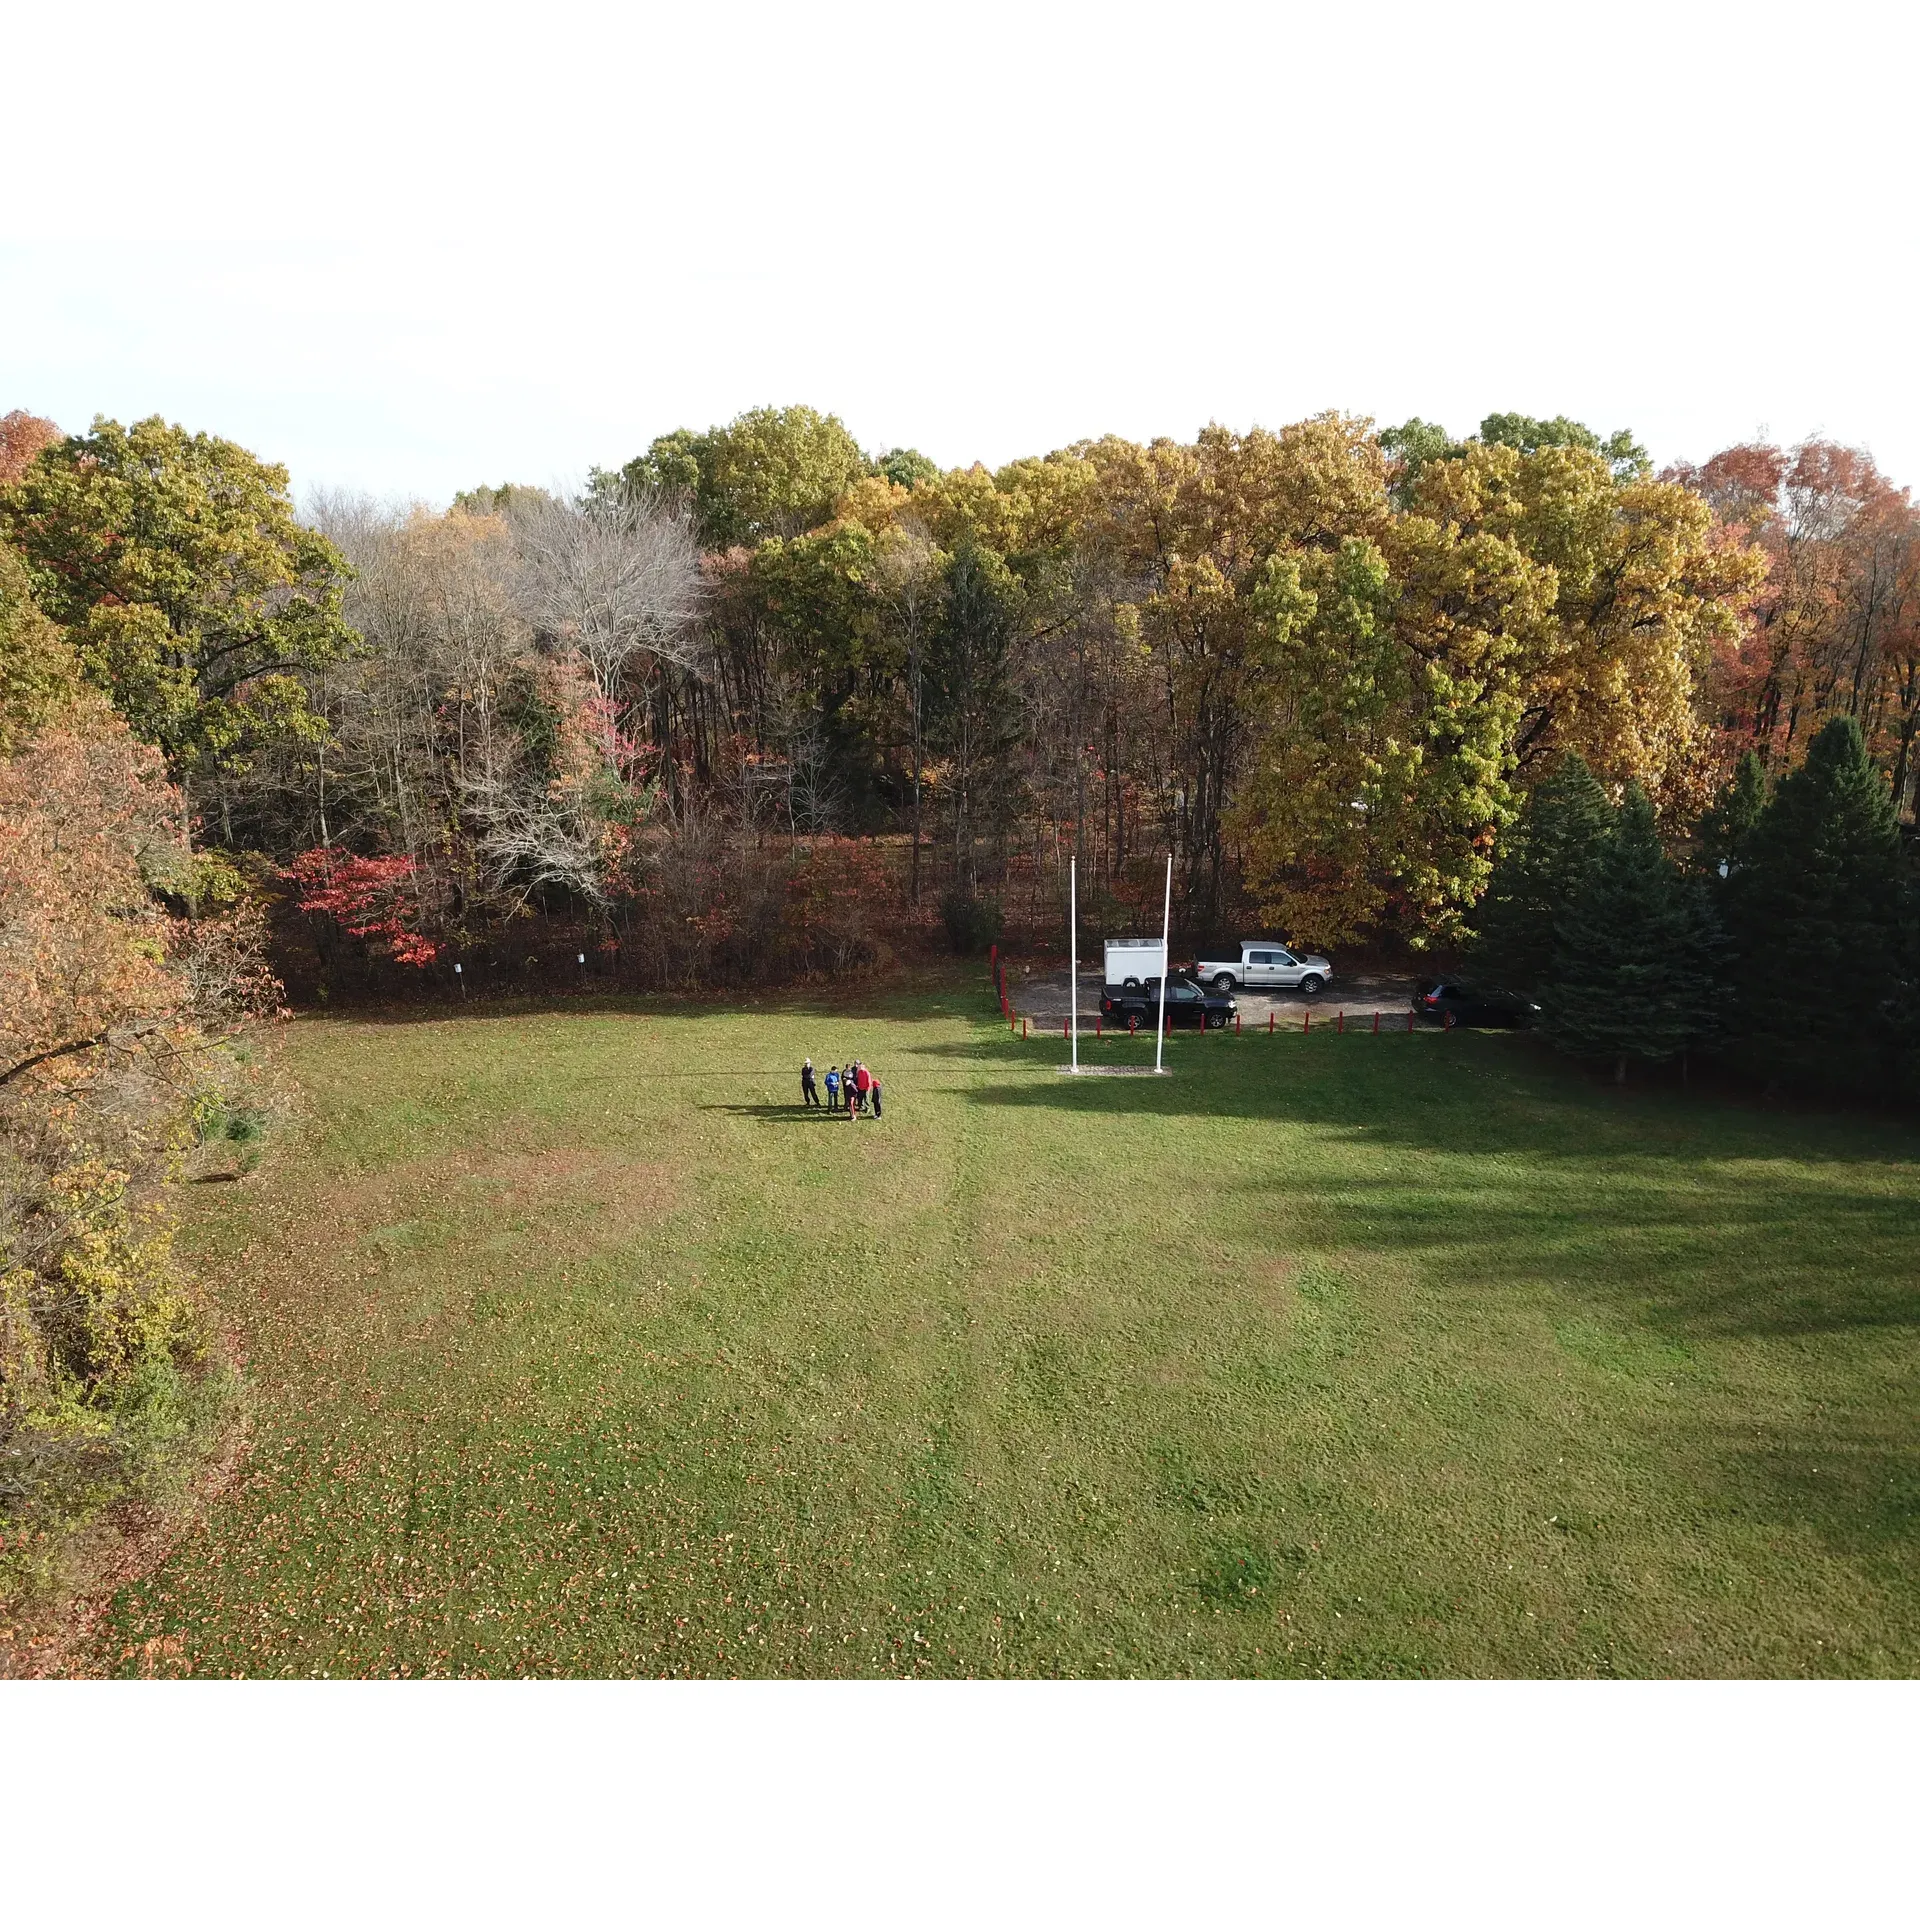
[863, 1080]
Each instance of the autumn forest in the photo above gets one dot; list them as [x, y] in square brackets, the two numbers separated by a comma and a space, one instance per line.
[747, 687]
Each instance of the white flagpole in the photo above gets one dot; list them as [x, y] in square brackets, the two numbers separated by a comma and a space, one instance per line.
[1073, 955]
[1166, 930]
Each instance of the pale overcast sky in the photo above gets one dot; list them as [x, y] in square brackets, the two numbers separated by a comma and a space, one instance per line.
[407, 248]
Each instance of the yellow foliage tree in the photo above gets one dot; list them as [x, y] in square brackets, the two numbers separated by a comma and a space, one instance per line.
[1643, 593]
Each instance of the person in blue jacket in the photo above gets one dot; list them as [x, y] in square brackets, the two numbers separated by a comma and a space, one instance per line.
[833, 1089]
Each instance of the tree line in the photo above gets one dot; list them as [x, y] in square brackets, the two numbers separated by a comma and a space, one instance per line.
[758, 700]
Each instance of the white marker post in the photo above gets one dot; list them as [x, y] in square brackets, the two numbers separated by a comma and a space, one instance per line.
[1166, 957]
[1073, 955]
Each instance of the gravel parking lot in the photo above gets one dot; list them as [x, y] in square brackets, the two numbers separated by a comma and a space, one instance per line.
[1042, 995]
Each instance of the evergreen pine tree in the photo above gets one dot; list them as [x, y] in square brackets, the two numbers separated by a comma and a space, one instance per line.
[1817, 910]
[1633, 974]
[1721, 842]
[1906, 1018]
[970, 702]
[1547, 856]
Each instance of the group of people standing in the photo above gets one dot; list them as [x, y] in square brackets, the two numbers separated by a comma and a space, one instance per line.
[854, 1088]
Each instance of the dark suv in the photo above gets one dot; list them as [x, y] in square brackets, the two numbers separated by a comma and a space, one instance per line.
[1451, 998]
[1188, 1004]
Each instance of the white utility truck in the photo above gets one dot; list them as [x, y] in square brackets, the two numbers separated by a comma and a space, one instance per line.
[1135, 963]
[1264, 963]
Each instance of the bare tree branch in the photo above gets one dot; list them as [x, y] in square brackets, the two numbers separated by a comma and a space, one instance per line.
[612, 580]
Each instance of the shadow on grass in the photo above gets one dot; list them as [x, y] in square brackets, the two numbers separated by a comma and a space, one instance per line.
[1463, 1092]
[1658, 1216]
[1694, 1212]
[781, 1112]
[1855, 1482]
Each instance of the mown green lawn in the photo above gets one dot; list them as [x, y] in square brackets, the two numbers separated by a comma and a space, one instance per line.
[575, 1347]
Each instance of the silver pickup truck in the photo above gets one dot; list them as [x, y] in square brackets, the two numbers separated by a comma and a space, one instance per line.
[1266, 963]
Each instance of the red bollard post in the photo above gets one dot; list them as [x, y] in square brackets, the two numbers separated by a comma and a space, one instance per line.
[1448, 1019]
[1376, 1019]
[1269, 1019]
[1096, 1026]
[1340, 1021]
[1409, 1019]
[1236, 1025]
[1306, 1021]
[1023, 1026]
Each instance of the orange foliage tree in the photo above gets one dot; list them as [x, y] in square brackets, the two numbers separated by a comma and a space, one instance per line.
[83, 944]
[22, 435]
[1835, 632]
[114, 1079]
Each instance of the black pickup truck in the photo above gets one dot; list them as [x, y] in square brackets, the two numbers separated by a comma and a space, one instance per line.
[1188, 1005]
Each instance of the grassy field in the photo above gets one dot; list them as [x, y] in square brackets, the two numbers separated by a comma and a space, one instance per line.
[575, 1347]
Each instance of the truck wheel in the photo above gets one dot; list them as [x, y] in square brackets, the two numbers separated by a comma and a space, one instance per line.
[1311, 983]
[1224, 983]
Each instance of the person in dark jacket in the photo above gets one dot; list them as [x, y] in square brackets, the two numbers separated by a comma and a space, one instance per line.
[809, 1094]
[876, 1096]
